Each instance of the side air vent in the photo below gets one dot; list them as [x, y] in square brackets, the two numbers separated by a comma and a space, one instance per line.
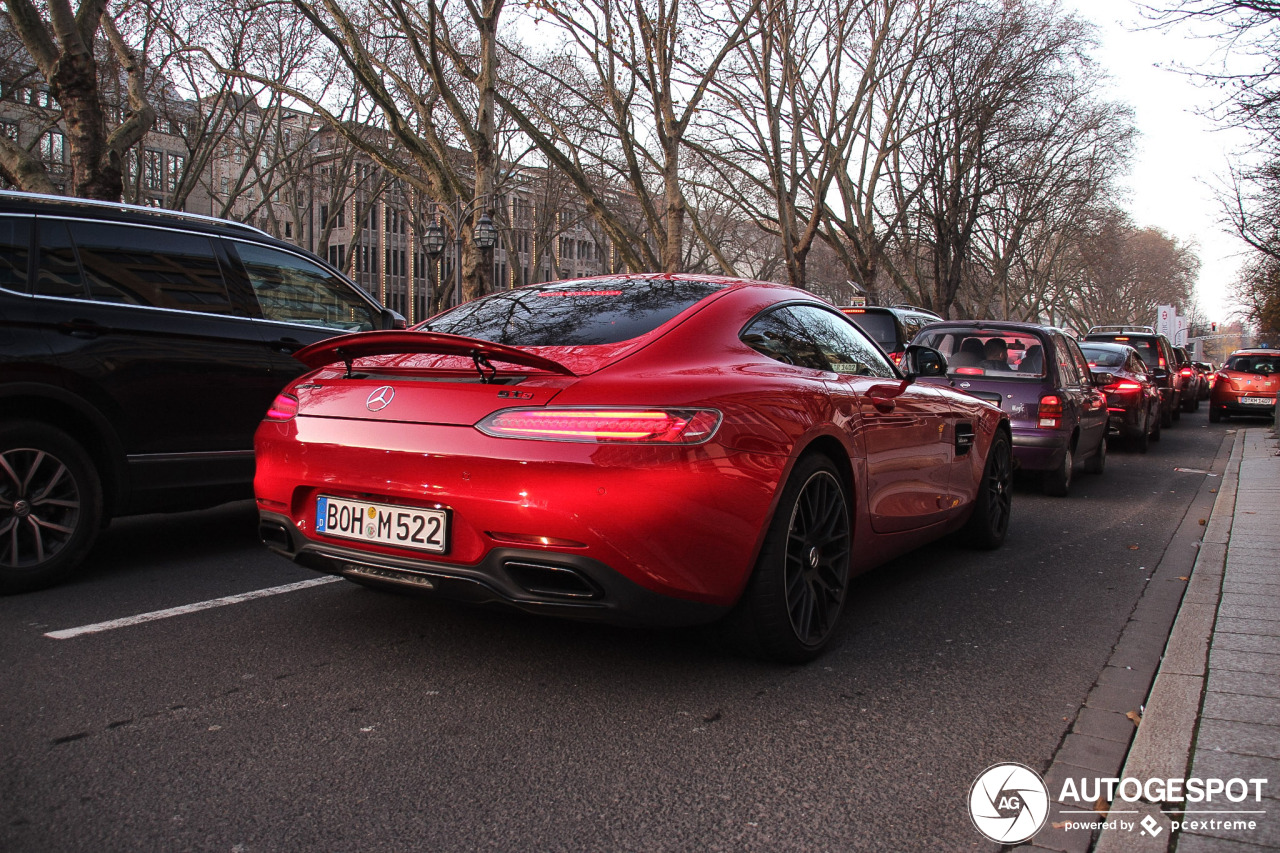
[964, 439]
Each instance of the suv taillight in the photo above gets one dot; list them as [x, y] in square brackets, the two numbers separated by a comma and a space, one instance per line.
[1050, 413]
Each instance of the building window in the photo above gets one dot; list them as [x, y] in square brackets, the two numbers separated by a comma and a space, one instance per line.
[288, 229]
[177, 163]
[152, 170]
[53, 147]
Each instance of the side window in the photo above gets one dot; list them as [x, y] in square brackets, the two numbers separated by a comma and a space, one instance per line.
[780, 335]
[291, 289]
[1082, 363]
[150, 266]
[1136, 365]
[15, 250]
[59, 271]
[843, 346]
[1067, 366]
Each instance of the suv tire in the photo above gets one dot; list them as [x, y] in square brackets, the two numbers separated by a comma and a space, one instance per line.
[50, 505]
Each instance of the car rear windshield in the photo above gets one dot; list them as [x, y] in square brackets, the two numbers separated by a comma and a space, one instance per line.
[1100, 357]
[988, 352]
[879, 326]
[1147, 349]
[576, 313]
[1262, 364]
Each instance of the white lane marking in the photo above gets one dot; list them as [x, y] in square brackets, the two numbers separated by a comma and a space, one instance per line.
[68, 633]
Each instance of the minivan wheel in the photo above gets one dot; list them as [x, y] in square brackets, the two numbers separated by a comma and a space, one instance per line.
[793, 601]
[1098, 461]
[1058, 481]
[50, 505]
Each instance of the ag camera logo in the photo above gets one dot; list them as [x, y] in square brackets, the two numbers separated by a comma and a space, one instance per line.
[1009, 803]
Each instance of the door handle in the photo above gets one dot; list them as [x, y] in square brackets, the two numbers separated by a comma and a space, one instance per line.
[286, 345]
[84, 329]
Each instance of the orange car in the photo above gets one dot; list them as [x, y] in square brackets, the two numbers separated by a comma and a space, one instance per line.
[1246, 385]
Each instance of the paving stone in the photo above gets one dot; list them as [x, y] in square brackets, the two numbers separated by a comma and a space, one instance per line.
[1265, 832]
[1236, 737]
[1119, 699]
[1257, 643]
[1244, 709]
[1243, 683]
[1187, 652]
[1104, 757]
[1126, 676]
[1234, 585]
[1109, 725]
[1244, 661]
[1204, 844]
[1245, 612]
[1265, 627]
[1059, 773]
[1226, 765]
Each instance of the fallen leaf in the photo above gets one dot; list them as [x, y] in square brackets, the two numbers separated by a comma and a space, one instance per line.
[1062, 824]
[1133, 547]
[1102, 806]
[1135, 716]
[713, 716]
[1213, 491]
[1181, 578]
[1203, 521]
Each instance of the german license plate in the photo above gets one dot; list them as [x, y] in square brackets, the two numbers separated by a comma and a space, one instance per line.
[1258, 401]
[385, 524]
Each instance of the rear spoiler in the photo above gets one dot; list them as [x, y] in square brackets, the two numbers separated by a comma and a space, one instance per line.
[347, 348]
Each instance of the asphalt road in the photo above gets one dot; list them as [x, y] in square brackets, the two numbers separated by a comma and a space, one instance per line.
[337, 718]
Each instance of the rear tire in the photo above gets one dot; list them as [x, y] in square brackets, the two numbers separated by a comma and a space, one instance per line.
[1057, 483]
[793, 601]
[1142, 441]
[1098, 461]
[987, 527]
[50, 505]
[1155, 426]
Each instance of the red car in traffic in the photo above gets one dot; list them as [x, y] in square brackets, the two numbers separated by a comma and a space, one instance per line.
[1247, 384]
[654, 449]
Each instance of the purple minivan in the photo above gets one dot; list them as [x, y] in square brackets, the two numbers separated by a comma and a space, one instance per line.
[1038, 375]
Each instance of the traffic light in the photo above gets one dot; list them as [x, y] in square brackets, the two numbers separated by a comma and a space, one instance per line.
[1213, 326]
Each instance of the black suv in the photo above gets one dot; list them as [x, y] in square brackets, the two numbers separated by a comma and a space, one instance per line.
[1157, 353]
[891, 327]
[139, 350]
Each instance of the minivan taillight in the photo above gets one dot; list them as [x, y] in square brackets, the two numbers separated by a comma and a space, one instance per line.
[1050, 413]
[284, 408]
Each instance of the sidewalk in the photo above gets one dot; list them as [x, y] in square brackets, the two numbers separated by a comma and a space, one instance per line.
[1214, 709]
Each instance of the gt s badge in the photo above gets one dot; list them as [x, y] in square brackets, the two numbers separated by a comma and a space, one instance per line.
[515, 395]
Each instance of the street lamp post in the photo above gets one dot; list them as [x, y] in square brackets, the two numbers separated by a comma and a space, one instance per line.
[433, 239]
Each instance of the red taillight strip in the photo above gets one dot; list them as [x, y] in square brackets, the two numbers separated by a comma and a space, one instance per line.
[283, 408]
[608, 426]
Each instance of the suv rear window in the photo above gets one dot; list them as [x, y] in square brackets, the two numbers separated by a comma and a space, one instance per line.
[600, 311]
[880, 326]
[1148, 349]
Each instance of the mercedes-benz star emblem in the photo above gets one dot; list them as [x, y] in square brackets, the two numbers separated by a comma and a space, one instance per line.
[380, 398]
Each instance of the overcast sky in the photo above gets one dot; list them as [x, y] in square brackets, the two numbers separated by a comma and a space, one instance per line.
[1181, 155]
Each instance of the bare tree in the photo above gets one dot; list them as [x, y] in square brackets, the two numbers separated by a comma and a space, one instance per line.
[63, 47]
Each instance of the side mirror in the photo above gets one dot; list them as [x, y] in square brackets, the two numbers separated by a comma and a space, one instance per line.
[1160, 373]
[1101, 379]
[923, 361]
[392, 319]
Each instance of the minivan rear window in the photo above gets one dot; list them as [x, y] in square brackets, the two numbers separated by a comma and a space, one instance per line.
[595, 311]
[879, 326]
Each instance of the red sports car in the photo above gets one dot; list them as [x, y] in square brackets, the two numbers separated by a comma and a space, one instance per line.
[658, 449]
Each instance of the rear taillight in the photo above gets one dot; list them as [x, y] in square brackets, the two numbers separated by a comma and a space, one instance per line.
[1187, 371]
[284, 408]
[896, 358]
[970, 371]
[1122, 388]
[604, 426]
[1050, 413]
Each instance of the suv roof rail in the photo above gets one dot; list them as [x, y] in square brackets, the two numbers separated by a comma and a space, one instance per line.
[1103, 330]
[133, 208]
[907, 307]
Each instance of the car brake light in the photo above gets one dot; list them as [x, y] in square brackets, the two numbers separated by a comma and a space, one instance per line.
[1122, 387]
[1050, 413]
[896, 358]
[625, 426]
[283, 408]
[970, 371]
[1187, 371]
[1163, 363]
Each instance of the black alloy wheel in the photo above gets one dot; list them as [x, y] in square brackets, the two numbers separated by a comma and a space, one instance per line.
[793, 602]
[50, 506]
[993, 506]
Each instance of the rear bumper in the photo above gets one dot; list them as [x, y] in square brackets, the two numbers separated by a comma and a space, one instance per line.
[1038, 449]
[550, 584]
[1231, 405]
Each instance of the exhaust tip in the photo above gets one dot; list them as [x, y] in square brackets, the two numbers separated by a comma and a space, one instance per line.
[274, 535]
[551, 581]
